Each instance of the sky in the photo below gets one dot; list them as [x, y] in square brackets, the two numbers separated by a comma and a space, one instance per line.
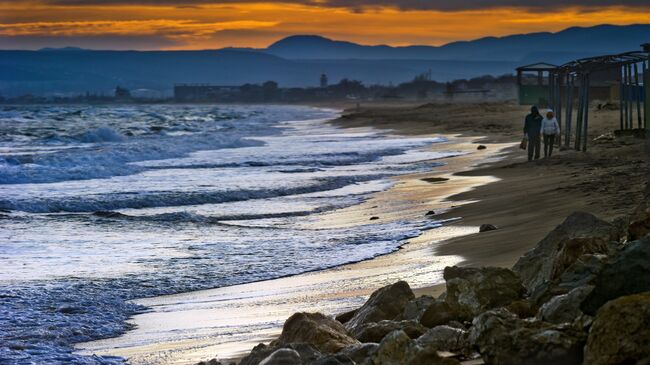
[209, 24]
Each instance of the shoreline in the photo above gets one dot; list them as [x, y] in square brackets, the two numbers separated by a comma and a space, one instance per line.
[368, 269]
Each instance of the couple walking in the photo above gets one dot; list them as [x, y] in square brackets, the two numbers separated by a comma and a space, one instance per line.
[537, 126]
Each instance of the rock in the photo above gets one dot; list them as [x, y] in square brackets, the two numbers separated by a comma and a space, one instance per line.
[523, 308]
[257, 354]
[582, 272]
[620, 333]
[374, 218]
[564, 308]
[444, 338]
[579, 234]
[481, 147]
[359, 353]
[398, 349]
[627, 274]
[375, 331]
[430, 213]
[385, 303]
[325, 334]
[438, 313]
[346, 316]
[487, 227]
[639, 223]
[416, 307]
[333, 360]
[471, 291]
[504, 339]
[210, 362]
[283, 357]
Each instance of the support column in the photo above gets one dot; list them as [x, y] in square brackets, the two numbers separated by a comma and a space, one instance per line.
[569, 110]
[586, 115]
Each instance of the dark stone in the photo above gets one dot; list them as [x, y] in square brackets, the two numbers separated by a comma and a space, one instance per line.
[283, 357]
[324, 333]
[375, 331]
[416, 307]
[429, 213]
[471, 291]
[487, 227]
[481, 147]
[620, 333]
[581, 233]
[359, 353]
[374, 218]
[385, 303]
[438, 313]
[627, 274]
[333, 360]
[346, 316]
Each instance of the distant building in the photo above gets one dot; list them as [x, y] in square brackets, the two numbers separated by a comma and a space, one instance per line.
[203, 92]
[323, 81]
[122, 93]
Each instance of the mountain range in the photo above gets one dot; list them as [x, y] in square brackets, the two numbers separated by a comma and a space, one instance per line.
[299, 61]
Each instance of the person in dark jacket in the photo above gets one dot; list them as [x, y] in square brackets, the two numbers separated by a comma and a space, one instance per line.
[532, 131]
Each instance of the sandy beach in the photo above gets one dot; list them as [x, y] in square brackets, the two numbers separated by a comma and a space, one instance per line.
[495, 185]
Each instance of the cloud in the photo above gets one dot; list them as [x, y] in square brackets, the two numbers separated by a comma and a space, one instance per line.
[359, 5]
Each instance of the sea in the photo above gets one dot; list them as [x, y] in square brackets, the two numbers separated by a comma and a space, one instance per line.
[101, 205]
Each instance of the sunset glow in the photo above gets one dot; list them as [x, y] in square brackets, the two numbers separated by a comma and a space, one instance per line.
[146, 25]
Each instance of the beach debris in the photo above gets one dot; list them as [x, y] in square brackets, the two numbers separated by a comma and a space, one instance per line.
[639, 222]
[564, 308]
[481, 147]
[374, 218]
[604, 137]
[434, 180]
[620, 332]
[283, 357]
[580, 233]
[324, 333]
[626, 274]
[385, 303]
[502, 338]
[375, 331]
[487, 227]
[430, 213]
[471, 291]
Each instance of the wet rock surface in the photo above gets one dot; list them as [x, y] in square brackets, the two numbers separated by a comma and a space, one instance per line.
[324, 333]
[375, 331]
[385, 303]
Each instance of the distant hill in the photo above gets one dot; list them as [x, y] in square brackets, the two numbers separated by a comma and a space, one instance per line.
[299, 61]
[569, 43]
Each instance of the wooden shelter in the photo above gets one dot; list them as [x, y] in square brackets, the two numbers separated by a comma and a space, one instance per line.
[535, 92]
[571, 82]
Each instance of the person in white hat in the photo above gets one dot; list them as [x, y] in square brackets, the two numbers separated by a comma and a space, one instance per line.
[550, 129]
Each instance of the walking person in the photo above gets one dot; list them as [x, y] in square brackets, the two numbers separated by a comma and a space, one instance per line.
[550, 129]
[532, 130]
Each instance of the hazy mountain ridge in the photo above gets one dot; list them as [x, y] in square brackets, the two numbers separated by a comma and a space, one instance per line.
[299, 61]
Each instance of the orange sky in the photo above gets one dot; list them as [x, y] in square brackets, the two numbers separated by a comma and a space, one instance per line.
[33, 24]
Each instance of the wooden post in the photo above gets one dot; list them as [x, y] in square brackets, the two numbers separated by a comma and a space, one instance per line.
[621, 95]
[551, 90]
[558, 110]
[625, 92]
[629, 97]
[637, 96]
[586, 115]
[581, 107]
[569, 110]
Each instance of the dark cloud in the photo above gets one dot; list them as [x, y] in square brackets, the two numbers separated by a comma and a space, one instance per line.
[357, 5]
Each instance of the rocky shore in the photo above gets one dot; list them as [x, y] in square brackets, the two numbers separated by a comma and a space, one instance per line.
[581, 296]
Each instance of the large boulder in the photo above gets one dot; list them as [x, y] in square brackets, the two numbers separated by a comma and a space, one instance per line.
[324, 333]
[471, 291]
[416, 307]
[359, 353]
[257, 354]
[580, 233]
[333, 360]
[628, 273]
[504, 339]
[444, 338]
[620, 333]
[385, 303]
[583, 271]
[375, 331]
[306, 352]
[564, 308]
[439, 312]
[283, 357]
[398, 349]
